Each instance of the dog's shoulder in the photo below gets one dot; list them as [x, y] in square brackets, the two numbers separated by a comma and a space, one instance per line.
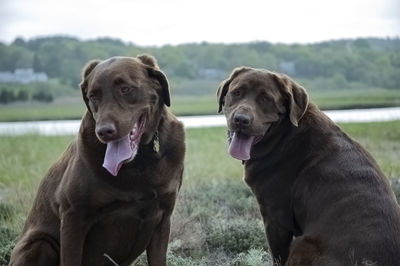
[59, 167]
[173, 125]
[172, 135]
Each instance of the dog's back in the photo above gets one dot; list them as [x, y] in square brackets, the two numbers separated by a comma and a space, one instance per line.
[343, 203]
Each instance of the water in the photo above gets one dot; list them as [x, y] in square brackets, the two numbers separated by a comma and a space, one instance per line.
[71, 127]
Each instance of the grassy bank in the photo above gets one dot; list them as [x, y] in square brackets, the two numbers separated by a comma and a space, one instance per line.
[73, 107]
[216, 220]
[60, 109]
[348, 99]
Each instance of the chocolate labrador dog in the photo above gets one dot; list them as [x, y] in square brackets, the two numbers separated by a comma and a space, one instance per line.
[111, 194]
[323, 198]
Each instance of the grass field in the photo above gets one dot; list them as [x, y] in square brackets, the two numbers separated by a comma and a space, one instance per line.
[216, 220]
[73, 108]
[61, 109]
[329, 100]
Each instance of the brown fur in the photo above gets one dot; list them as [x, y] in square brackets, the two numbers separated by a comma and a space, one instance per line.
[312, 182]
[81, 212]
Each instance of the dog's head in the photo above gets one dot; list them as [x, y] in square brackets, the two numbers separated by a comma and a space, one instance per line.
[254, 99]
[124, 96]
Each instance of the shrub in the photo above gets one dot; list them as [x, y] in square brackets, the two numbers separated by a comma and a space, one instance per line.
[22, 96]
[42, 96]
[237, 235]
[7, 236]
[254, 257]
[206, 216]
[6, 96]
[7, 242]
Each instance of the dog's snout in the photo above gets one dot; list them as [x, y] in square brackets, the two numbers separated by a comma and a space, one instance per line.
[106, 131]
[241, 120]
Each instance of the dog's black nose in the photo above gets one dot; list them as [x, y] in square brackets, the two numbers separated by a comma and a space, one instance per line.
[241, 120]
[106, 131]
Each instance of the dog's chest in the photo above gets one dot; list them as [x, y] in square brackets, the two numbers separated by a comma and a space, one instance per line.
[123, 233]
[272, 191]
[138, 194]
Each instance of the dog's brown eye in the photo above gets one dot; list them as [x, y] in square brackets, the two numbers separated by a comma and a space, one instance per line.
[93, 98]
[125, 90]
[236, 93]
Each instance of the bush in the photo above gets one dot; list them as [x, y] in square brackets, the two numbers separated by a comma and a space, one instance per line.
[6, 96]
[22, 96]
[216, 219]
[237, 236]
[42, 96]
[254, 257]
[8, 240]
[7, 236]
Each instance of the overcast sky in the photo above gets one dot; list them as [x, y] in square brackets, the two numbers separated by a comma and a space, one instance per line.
[158, 22]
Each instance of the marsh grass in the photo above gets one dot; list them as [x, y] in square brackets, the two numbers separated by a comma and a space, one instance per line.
[61, 109]
[202, 104]
[348, 99]
[216, 220]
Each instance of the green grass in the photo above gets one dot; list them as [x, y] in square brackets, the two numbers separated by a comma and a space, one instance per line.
[346, 99]
[73, 107]
[190, 105]
[216, 219]
[61, 109]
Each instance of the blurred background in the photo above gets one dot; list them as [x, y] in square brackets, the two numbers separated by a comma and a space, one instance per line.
[345, 53]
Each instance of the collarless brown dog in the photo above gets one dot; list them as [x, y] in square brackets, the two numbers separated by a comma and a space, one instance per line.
[111, 195]
[323, 198]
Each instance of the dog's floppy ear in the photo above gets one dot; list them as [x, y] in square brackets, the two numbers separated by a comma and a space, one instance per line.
[87, 69]
[148, 60]
[154, 71]
[297, 97]
[224, 85]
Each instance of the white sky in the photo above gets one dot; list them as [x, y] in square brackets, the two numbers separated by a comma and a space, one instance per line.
[158, 22]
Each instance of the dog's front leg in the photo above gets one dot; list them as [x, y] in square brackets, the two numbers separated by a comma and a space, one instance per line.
[157, 249]
[279, 240]
[74, 227]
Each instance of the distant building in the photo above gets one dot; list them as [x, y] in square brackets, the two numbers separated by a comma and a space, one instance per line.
[22, 75]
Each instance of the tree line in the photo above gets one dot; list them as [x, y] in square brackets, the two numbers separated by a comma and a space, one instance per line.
[344, 64]
[10, 96]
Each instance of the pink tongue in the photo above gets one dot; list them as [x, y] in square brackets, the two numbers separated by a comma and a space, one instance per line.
[117, 152]
[240, 146]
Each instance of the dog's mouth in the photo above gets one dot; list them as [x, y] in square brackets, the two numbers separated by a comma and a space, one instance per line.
[124, 150]
[240, 144]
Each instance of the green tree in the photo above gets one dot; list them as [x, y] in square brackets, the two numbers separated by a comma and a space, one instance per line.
[37, 64]
[42, 96]
[6, 96]
[22, 96]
